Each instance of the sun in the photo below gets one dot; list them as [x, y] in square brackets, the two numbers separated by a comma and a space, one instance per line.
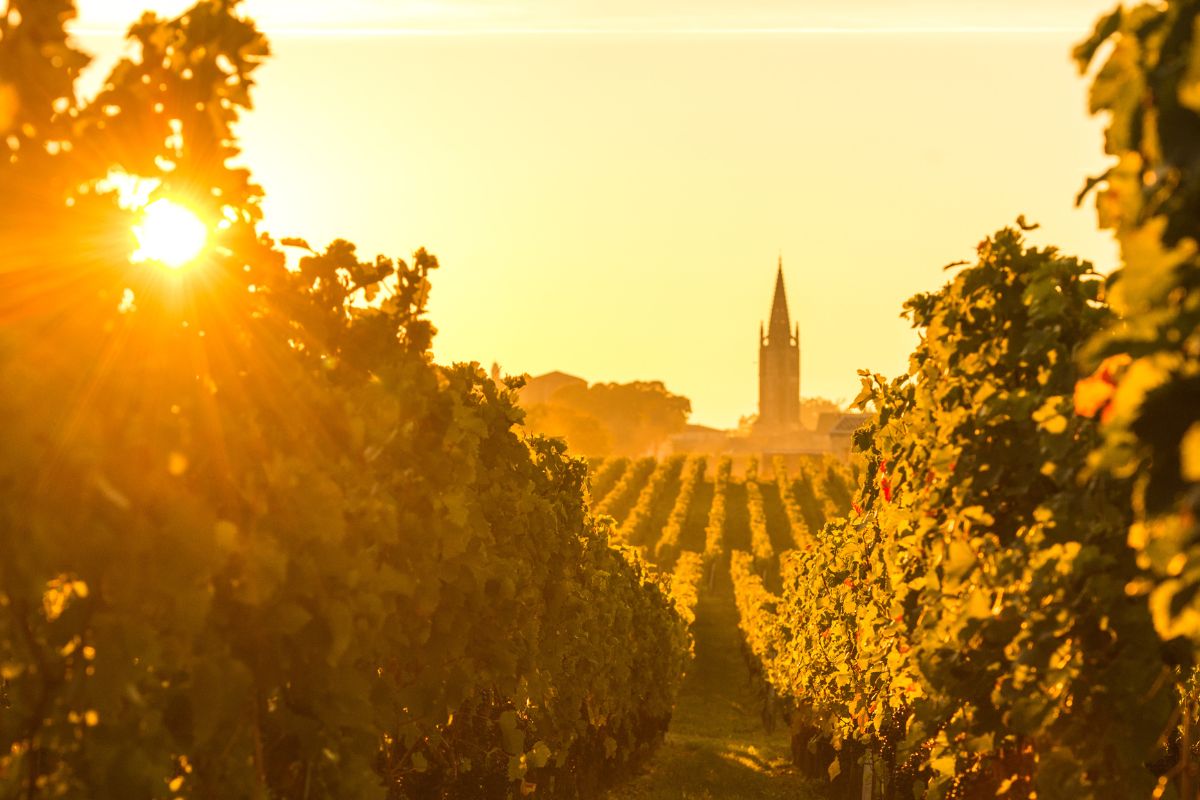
[169, 234]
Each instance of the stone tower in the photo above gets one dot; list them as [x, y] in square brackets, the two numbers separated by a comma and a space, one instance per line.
[779, 368]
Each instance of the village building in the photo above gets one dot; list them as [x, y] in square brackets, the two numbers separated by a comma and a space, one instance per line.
[777, 430]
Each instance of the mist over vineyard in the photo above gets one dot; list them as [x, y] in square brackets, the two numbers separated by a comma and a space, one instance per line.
[257, 542]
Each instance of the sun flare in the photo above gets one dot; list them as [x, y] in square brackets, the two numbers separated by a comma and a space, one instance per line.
[169, 234]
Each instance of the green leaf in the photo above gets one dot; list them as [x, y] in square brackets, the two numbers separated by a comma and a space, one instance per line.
[511, 735]
[539, 755]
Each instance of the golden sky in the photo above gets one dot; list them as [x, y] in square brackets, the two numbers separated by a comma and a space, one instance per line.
[628, 15]
[608, 184]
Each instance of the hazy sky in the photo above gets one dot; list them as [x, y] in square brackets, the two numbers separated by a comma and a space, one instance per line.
[608, 184]
[475, 15]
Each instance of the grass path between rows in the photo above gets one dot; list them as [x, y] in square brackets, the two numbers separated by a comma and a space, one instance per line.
[716, 748]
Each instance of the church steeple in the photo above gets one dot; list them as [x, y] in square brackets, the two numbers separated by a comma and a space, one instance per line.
[779, 367]
[781, 323]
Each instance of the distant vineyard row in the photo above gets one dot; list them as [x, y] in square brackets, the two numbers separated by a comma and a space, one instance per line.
[664, 507]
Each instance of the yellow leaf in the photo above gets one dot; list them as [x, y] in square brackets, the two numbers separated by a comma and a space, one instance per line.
[943, 765]
[1189, 84]
[1189, 453]
[1055, 425]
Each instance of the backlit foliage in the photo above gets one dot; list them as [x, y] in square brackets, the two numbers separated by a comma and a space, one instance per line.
[969, 623]
[629, 419]
[1146, 384]
[253, 542]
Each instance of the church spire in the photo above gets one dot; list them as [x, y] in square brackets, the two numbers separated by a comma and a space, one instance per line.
[779, 368]
[780, 326]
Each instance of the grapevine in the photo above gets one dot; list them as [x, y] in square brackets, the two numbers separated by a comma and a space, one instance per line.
[668, 544]
[620, 499]
[638, 525]
[714, 533]
[270, 548]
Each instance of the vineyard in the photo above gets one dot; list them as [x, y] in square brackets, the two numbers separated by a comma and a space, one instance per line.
[680, 507]
[721, 529]
[256, 543]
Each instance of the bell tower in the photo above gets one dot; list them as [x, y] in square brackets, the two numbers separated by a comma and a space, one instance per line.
[779, 367]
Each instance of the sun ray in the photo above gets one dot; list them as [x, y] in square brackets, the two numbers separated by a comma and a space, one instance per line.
[170, 234]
